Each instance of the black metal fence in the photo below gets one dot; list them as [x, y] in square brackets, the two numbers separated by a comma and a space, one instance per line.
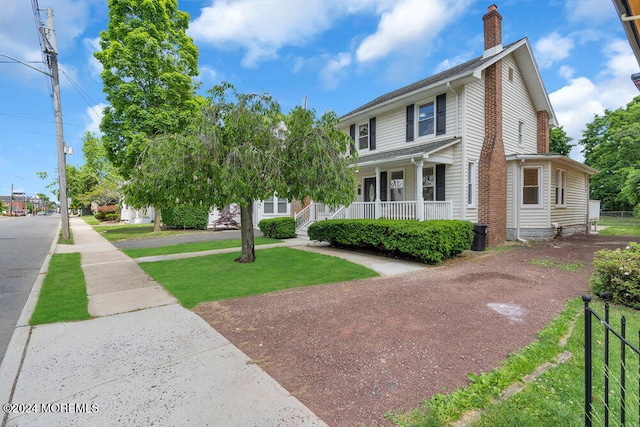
[608, 394]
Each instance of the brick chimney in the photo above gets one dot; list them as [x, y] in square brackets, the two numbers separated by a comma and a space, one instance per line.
[543, 132]
[492, 31]
[492, 167]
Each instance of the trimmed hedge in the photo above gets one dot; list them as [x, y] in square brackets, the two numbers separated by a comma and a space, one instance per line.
[426, 241]
[107, 212]
[278, 228]
[618, 272]
[186, 217]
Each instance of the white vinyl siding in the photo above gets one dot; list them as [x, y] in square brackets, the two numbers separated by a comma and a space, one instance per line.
[473, 132]
[390, 130]
[517, 108]
[576, 200]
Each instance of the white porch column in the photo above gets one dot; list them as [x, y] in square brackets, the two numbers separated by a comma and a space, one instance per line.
[419, 196]
[377, 203]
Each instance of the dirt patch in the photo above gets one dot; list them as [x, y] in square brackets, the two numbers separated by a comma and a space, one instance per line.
[353, 351]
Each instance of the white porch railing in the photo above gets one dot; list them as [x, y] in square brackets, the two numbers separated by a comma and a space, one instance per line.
[372, 210]
[398, 210]
[438, 210]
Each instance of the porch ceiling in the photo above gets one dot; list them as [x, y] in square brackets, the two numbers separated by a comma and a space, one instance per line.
[415, 151]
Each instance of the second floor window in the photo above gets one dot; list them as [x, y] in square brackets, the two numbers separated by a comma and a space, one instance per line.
[521, 133]
[363, 137]
[425, 119]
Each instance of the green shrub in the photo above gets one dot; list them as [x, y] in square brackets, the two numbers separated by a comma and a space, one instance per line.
[278, 228]
[186, 217]
[426, 241]
[103, 211]
[618, 272]
[112, 217]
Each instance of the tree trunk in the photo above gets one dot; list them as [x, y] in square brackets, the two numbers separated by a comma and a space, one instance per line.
[246, 230]
[157, 220]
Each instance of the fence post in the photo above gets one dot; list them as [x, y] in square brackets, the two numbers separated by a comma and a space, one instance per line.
[587, 361]
[606, 366]
[623, 374]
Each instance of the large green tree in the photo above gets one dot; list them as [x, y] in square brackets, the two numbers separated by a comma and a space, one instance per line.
[149, 63]
[244, 150]
[559, 141]
[611, 144]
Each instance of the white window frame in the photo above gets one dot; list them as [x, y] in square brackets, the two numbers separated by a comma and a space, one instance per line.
[367, 136]
[424, 182]
[471, 184]
[275, 202]
[433, 118]
[561, 188]
[539, 187]
[521, 132]
[390, 186]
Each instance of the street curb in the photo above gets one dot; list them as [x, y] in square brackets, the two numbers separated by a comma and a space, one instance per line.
[12, 361]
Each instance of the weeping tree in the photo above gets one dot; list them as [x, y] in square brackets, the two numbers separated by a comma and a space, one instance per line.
[245, 150]
[149, 63]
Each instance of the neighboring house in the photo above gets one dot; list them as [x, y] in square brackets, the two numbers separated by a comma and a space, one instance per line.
[263, 209]
[273, 207]
[470, 143]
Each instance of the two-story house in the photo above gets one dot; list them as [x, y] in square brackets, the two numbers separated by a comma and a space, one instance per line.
[470, 143]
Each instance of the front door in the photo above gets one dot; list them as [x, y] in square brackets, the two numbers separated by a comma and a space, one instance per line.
[369, 189]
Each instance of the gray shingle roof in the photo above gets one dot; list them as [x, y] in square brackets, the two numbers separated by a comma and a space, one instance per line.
[416, 149]
[443, 76]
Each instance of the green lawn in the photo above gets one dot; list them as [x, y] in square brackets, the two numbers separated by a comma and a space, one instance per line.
[63, 297]
[194, 247]
[621, 230]
[218, 277]
[114, 233]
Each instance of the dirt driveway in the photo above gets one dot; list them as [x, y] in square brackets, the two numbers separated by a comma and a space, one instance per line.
[353, 351]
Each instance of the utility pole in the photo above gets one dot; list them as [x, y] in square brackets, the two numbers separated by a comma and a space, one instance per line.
[50, 50]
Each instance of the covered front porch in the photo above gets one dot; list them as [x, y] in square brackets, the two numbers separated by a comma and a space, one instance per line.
[375, 210]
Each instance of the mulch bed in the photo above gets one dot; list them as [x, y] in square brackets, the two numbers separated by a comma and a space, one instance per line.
[353, 351]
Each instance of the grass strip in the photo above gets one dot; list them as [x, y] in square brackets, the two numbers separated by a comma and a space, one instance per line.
[219, 277]
[114, 233]
[194, 247]
[63, 297]
[621, 230]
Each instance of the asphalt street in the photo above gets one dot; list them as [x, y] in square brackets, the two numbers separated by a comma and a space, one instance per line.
[24, 244]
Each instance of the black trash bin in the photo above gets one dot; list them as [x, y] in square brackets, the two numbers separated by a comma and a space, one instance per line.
[479, 237]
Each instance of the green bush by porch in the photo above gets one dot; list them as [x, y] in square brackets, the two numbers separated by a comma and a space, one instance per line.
[278, 228]
[425, 241]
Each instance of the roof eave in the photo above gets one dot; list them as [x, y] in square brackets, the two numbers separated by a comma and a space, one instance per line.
[558, 158]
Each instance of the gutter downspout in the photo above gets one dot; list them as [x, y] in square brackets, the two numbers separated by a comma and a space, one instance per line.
[518, 203]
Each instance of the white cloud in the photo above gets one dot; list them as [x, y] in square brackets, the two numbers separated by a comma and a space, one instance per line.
[262, 28]
[581, 99]
[19, 36]
[95, 67]
[94, 115]
[589, 12]
[411, 25]
[208, 76]
[552, 48]
[332, 71]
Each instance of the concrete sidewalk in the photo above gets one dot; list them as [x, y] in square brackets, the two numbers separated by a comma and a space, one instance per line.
[142, 360]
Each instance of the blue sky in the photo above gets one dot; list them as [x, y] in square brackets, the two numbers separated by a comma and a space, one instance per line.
[338, 54]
